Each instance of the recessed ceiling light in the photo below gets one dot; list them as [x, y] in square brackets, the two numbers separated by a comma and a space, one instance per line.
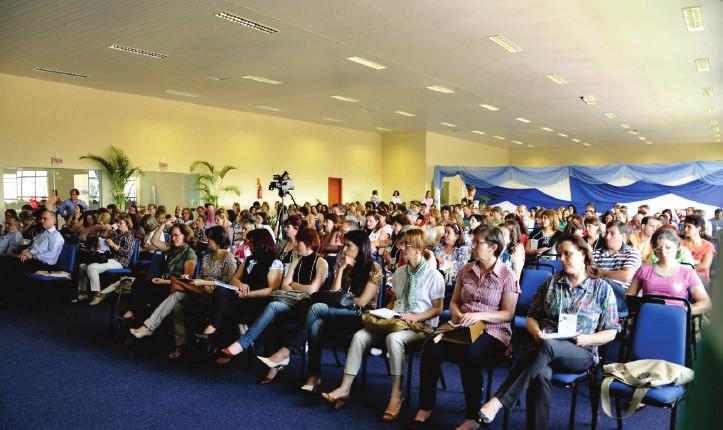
[717, 136]
[585, 144]
[556, 78]
[440, 89]
[547, 128]
[702, 64]
[489, 107]
[693, 17]
[588, 100]
[367, 63]
[218, 78]
[714, 122]
[517, 142]
[642, 138]
[499, 137]
[530, 146]
[181, 93]
[59, 72]
[478, 132]
[712, 109]
[610, 115]
[649, 142]
[448, 124]
[716, 129]
[521, 119]
[633, 132]
[401, 112]
[271, 108]
[382, 129]
[624, 125]
[717, 140]
[708, 92]
[326, 118]
[128, 49]
[562, 134]
[576, 140]
[345, 99]
[262, 79]
[246, 22]
[505, 43]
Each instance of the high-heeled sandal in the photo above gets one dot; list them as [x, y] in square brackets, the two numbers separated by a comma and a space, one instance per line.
[266, 380]
[311, 388]
[336, 402]
[389, 417]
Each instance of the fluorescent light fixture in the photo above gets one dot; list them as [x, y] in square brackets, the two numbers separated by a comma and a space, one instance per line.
[517, 142]
[448, 124]
[59, 72]
[505, 43]
[642, 138]
[270, 108]
[128, 49]
[530, 146]
[693, 17]
[633, 132]
[712, 109]
[610, 115]
[402, 113]
[218, 78]
[708, 92]
[547, 129]
[246, 22]
[489, 107]
[589, 100]
[585, 144]
[521, 119]
[716, 129]
[440, 89]
[345, 99]
[382, 129]
[478, 132]
[625, 125]
[262, 79]
[556, 78]
[367, 63]
[562, 134]
[576, 140]
[649, 142]
[181, 93]
[326, 118]
[702, 64]
[499, 137]
[714, 122]
[717, 136]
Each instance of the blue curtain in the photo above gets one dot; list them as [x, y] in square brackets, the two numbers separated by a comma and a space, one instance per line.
[528, 196]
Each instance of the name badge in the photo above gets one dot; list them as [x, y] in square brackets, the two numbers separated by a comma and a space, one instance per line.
[567, 324]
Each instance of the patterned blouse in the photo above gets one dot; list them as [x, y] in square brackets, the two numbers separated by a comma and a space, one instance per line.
[218, 270]
[593, 301]
[375, 277]
[460, 256]
[125, 251]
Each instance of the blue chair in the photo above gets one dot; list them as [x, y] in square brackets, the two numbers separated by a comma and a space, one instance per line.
[573, 380]
[65, 263]
[133, 262]
[646, 343]
[530, 282]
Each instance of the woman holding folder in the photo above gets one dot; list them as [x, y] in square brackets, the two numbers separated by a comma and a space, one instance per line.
[483, 304]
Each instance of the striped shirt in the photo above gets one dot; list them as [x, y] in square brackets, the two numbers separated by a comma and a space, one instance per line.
[626, 258]
[482, 292]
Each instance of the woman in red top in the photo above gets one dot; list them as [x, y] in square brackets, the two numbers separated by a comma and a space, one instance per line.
[702, 250]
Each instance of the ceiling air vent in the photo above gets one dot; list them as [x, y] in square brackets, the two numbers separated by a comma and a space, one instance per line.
[156, 55]
[246, 22]
[59, 72]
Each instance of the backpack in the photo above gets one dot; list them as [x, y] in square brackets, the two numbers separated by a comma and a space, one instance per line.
[641, 375]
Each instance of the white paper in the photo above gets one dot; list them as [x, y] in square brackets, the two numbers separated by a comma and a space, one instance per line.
[222, 285]
[384, 313]
[533, 243]
[560, 336]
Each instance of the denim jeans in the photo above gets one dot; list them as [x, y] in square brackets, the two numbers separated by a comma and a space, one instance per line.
[271, 312]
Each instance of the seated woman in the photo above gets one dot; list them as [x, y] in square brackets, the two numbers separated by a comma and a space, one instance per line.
[287, 248]
[486, 290]
[417, 296]
[221, 218]
[702, 250]
[395, 252]
[89, 227]
[358, 274]
[594, 234]
[575, 301]
[186, 216]
[668, 277]
[219, 265]
[332, 239]
[180, 263]
[513, 255]
[451, 254]
[541, 243]
[121, 251]
[307, 273]
[433, 228]
[375, 229]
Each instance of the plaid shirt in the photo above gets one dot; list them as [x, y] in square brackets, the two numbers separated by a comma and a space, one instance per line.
[593, 301]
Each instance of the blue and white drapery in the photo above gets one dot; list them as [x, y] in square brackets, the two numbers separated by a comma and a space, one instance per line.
[697, 181]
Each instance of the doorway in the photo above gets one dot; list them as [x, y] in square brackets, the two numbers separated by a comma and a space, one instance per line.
[334, 191]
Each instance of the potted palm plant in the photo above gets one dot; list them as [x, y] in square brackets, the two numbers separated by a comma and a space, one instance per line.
[210, 184]
[119, 169]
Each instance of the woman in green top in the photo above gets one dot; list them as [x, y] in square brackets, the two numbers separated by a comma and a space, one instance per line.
[180, 262]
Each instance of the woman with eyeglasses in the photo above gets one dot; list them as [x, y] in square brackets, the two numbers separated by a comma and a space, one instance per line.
[667, 277]
[570, 316]
[486, 290]
[417, 297]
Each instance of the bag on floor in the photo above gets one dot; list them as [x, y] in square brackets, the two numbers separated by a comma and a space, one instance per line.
[641, 375]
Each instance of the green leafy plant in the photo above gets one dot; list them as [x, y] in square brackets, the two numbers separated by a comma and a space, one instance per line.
[210, 184]
[119, 169]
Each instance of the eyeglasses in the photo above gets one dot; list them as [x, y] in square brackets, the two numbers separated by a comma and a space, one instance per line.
[476, 242]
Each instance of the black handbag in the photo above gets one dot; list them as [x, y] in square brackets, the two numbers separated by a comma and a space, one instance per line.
[101, 257]
[335, 299]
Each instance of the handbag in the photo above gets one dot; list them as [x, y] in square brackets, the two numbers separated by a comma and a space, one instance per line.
[335, 299]
[291, 298]
[184, 286]
[385, 326]
[449, 332]
[100, 257]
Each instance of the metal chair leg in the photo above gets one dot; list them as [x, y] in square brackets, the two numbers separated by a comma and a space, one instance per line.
[673, 415]
[573, 405]
[618, 415]
[594, 402]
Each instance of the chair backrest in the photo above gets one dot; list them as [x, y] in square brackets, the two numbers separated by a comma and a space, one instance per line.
[136, 251]
[530, 282]
[155, 269]
[197, 271]
[66, 259]
[660, 333]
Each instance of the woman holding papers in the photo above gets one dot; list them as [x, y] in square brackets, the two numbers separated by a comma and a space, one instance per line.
[485, 295]
[417, 298]
[219, 266]
[571, 315]
[358, 274]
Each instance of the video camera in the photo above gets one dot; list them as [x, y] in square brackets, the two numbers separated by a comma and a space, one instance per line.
[282, 182]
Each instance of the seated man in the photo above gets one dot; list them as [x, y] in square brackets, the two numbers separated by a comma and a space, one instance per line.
[619, 262]
[640, 240]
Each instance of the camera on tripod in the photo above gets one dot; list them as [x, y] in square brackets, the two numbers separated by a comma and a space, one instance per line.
[282, 182]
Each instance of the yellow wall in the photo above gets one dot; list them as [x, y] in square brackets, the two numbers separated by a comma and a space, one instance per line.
[612, 154]
[403, 161]
[39, 118]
